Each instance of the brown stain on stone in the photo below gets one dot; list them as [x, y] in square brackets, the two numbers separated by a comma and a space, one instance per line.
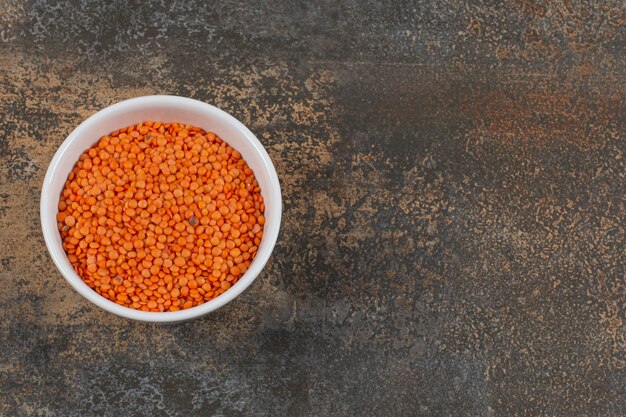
[544, 116]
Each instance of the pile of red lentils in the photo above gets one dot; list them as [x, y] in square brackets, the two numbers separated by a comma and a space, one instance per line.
[161, 216]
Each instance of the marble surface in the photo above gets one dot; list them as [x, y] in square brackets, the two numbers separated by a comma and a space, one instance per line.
[454, 186]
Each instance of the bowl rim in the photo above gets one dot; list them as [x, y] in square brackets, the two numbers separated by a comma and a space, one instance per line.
[48, 213]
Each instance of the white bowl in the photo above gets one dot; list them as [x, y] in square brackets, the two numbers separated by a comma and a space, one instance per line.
[163, 109]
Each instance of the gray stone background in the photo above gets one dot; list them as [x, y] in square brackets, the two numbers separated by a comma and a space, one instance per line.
[453, 236]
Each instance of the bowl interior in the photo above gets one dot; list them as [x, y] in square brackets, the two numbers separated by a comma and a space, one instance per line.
[163, 109]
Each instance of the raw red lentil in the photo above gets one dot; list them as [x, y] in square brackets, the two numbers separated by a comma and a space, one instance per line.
[161, 216]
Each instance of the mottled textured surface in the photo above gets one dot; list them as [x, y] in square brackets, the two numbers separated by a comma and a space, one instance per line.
[454, 186]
